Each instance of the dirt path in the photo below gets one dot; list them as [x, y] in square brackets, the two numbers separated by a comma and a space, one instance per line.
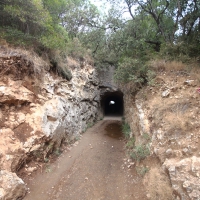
[94, 169]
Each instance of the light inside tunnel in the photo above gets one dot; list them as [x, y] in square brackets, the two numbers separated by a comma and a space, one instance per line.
[112, 103]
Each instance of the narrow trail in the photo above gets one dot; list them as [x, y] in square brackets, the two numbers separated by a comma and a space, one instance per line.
[94, 169]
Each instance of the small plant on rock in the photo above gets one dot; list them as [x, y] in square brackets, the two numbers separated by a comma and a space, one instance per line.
[131, 143]
[146, 136]
[142, 170]
[126, 130]
[57, 152]
[140, 152]
[48, 169]
[90, 124]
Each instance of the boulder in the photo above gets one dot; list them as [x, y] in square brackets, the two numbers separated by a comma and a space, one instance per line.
[11, 186]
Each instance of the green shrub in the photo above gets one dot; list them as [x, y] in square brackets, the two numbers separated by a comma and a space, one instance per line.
[150, 77]
[142, 170]
[180, 51]
[140, 152]
[16, 37]
[146, 136]
[131, 143]
[126, 130]
[57, 152]
[90, 124]
[131, 70]
[54, 38]
[75, 49]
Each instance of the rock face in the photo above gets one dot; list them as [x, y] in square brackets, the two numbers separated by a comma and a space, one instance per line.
[185, 175]
[12, 187]
[38, 114]
[169, 114]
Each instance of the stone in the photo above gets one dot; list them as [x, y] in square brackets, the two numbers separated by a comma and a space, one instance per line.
[183, 174]
[169, 152]
[189, 82]
[31, 169]
[185, 150]
[14, 92]
[11, 186]
[165, 93]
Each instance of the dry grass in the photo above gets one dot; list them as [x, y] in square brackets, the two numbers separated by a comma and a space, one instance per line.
[162, 65]
[158, 185]
[158, 65]
[169, 66]
[72, 63]
[175, 66]
[3, 43]
[195, 72]
[39, 64]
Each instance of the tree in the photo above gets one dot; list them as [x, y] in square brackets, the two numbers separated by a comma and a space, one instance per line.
[79, 17]
[31, 22]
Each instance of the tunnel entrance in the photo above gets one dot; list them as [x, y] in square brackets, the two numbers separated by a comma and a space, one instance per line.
[112, 104]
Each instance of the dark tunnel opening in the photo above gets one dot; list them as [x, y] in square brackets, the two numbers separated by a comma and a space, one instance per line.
[112, 104]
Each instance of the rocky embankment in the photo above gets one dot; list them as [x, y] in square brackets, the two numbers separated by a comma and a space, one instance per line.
[168, 113]
[38, 112]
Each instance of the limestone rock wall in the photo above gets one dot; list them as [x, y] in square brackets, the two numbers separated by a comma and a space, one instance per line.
[38, 114]
[168, 111]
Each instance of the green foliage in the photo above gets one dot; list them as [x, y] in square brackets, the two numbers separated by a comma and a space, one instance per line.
[30, 23]
[79, 17]
[126, 130]
[76, 49]
[130, 143]
[146, 137]
[140, 152]
[37, 155]
[16, 37]
[78, 28]
[153, 25]
[142, 170]
[89, 125]
[57, 152]
[46, 160]
[48, 168]
[131, 70]
[180, 51]
[150, 77]
[54, 38]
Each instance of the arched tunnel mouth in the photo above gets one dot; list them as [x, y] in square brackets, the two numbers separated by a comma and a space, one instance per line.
[112, 103]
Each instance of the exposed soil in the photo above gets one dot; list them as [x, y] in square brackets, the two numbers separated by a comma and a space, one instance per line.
[94, 168]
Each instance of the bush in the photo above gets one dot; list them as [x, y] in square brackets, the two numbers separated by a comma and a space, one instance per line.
[140, 152]
[55, 37]
[131, 70]
[75, 49]
[142, 170]
[16, 37]
[180, 52]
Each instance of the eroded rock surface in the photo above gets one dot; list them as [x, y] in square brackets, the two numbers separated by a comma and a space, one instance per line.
[168, 111]
[11, 186]
[38, 113]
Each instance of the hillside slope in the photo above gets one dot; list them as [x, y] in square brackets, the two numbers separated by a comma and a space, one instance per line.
[166, 116]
